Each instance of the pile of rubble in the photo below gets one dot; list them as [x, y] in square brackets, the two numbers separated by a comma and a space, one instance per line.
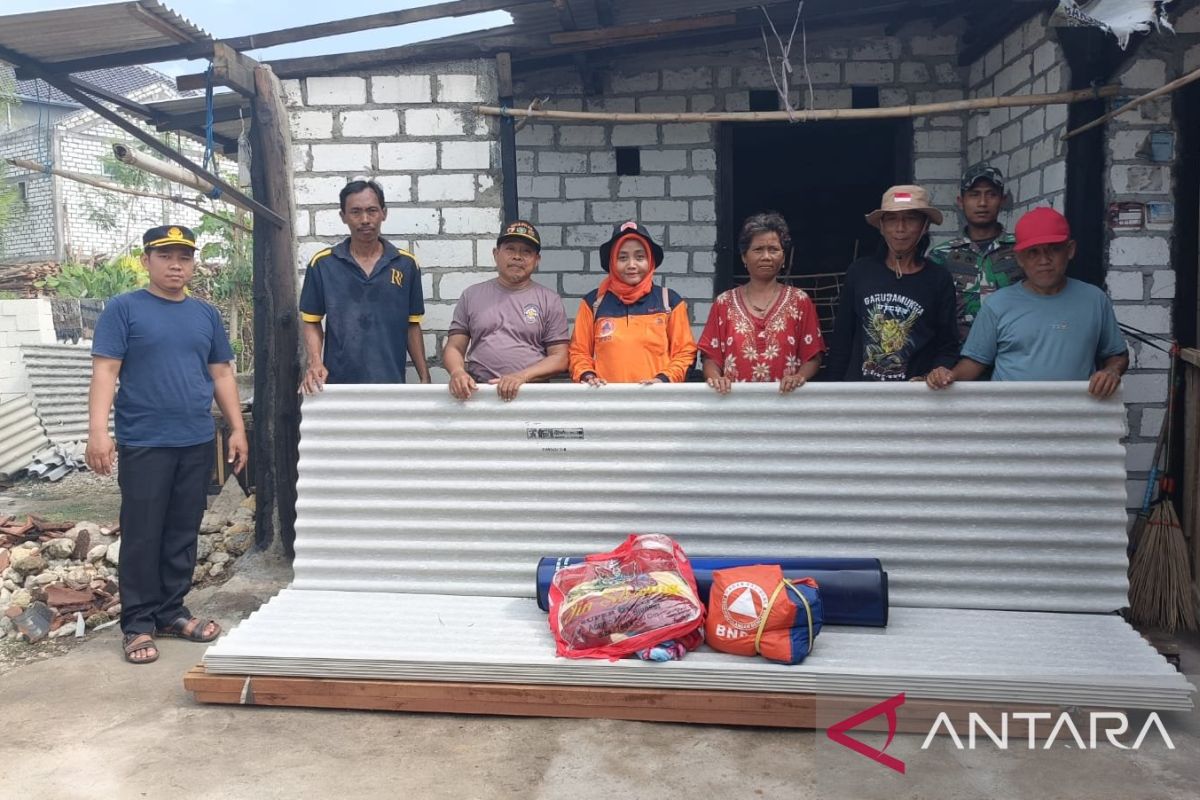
[58, 461]
[60, 578]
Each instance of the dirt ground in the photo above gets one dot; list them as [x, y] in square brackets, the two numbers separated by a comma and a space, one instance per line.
[79, 496]
[77, 722]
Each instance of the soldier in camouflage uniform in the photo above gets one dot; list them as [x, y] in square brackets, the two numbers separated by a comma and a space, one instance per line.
[982, 260]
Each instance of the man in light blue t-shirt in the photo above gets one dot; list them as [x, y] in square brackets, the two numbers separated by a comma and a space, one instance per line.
[1048, 328]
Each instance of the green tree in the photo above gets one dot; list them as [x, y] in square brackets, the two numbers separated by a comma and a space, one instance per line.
[225, 278]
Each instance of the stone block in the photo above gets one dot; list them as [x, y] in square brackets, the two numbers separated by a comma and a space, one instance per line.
[328, 222]
[569, 163]
[946, 72]
[687, 79]
[932, 169]
[588, 236]
[1018, 162]
[1162, 286]
[1151, 422]
[459, 89]
[539, 186]
[466, 155]
[687, 133]
[401, 89]
[351, 158]
[582, 136]
[591, 187]
[444, 252]
[409, 221]
[445, 188]
[1033, 124]
[565, 212]
[914, 72]
[526, 160]
[562, 261]
[1139, 251]
[1045, 56]
[339, 90]
[692, 186]
[602, 161]
[692, 235]
[1145, 387]
[1015, 74]
[614, 212]
[933, 45]
[634, 135]
[704, 211]
[292, 97]
[1054, 177]
[634, 83]
[937, 141]
[1124, 145]
[664, 160]
[312, 124]
[1125, 285]
[471, 220]
[536, 136]
[577, 285]
[1149, 318]
[641, 186]
[618, 105]
[1010, 136]
[317, 191]
[883, 48]
[1139, 179]
[691, 288]
[435, 122]
[665, 210]
[663, 104]
[702, 103]
[1030, 187]
[704, 261]
[374, 123]
[408, 156]
[869, 72]
[704, 160]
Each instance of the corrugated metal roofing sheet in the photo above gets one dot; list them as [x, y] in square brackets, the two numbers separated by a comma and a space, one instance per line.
[58, 377]
[119, 80]
[1023, 657]
[1002, 496]
[21, 435]
[75, 33]
[988, 495]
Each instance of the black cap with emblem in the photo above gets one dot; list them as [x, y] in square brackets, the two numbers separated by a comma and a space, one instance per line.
[168, 236]
[520, 229]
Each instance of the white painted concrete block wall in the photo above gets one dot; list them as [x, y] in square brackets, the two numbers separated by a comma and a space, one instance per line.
[22, 322]
[30, 235]
[1025, 144]
[1141, 277]
[415, 132]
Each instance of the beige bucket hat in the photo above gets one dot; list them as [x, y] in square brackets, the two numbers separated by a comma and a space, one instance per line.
[905, 198]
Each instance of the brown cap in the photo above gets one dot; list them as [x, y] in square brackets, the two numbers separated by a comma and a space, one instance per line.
[905, 198]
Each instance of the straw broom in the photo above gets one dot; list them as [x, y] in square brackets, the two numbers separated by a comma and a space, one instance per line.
[1160, 591]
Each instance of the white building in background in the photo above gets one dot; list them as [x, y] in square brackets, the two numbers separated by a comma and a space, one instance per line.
[59, 219]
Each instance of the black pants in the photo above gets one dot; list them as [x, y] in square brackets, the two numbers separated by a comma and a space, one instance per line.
[164, 492]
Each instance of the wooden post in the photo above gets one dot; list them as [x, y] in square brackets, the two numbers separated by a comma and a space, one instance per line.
[276, 321]
[508, 139]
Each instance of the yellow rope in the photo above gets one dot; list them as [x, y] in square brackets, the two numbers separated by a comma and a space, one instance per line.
[762, 621]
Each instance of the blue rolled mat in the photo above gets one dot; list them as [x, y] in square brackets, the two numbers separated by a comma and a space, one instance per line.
[854, 591]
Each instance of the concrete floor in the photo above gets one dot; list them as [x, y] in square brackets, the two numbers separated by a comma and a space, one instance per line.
[86, 725]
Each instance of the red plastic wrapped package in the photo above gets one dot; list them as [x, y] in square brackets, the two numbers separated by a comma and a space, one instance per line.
[615, 604]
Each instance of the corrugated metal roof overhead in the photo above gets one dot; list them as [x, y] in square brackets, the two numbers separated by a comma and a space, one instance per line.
[71, 34]
[58, 377]
[21, 435]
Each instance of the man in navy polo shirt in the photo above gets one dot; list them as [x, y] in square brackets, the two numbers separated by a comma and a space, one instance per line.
[368, 295]
[171, 354]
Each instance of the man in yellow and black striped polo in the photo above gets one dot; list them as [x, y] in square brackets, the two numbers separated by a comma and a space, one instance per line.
[361, 302]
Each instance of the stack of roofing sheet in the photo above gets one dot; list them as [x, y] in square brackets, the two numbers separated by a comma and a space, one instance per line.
[21, 435]
[59, 376]
[421, 521]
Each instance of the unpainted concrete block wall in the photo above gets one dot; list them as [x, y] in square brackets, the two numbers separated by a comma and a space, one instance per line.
[413, 130]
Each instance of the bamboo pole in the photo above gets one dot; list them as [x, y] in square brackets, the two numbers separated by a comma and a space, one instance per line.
[809, 115]
[175, 174]
[1135, 102]
[78, 177]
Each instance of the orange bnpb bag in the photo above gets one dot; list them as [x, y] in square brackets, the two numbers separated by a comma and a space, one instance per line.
[756, 611]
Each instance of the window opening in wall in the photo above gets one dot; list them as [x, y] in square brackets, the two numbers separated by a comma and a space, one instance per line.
[629, 161]
[824, 178]
[864, 97]
[23, 192]
[764, 100]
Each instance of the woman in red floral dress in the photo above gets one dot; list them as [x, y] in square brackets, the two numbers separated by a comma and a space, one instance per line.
[764, 331]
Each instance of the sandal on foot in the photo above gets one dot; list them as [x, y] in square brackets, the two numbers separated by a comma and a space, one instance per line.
[190, 629]
[134, 642]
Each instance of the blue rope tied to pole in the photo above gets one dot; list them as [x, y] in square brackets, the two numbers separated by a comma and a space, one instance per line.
[210, 160]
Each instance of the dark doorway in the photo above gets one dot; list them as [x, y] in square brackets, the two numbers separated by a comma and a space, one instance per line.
[823, 177]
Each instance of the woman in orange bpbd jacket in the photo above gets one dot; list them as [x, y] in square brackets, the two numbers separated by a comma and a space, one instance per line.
[629, 330]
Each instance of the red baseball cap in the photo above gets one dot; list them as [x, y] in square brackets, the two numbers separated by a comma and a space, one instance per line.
[1042, 226]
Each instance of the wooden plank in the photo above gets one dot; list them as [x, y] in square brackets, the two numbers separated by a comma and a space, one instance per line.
[649, 30]
[276, 322]
[232, 69]
[388, 19]
[1191, 457]
[767, 709]
[62, 83]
